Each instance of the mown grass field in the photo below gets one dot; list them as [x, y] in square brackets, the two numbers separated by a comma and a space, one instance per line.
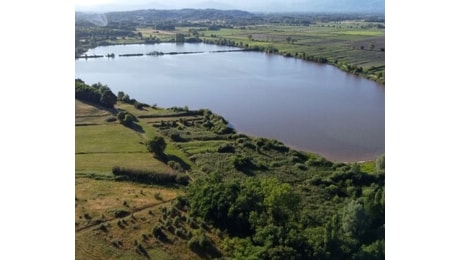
[102, 145]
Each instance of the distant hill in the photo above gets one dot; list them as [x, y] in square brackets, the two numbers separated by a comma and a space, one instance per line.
[346, 6]
[180, 15]
[342, 6]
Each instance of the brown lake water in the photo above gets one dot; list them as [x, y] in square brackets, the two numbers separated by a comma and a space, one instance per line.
[308, 106]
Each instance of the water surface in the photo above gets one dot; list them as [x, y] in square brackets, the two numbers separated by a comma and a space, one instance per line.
[308, 106]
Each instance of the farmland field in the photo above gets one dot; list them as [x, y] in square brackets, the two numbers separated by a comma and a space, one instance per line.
[346, 43]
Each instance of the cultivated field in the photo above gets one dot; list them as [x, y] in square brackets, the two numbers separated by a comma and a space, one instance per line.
[349, 45]
[113, 219]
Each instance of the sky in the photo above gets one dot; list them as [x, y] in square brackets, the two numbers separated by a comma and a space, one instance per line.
[253, 6]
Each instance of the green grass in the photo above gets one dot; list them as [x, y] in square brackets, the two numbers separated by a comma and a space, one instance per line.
[368, 167]
[107, 139]
[98, 196]
[103, 163]
[196, 147]
[172, 150]
[329, 40]
[98, 148]
[362, 33]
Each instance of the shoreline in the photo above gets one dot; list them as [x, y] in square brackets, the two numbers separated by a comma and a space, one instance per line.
[255, 49]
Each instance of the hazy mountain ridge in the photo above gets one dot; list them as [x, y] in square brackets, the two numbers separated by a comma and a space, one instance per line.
[358, 6]
[154, 15]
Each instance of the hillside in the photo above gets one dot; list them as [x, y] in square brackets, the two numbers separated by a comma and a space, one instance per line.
[212, 192]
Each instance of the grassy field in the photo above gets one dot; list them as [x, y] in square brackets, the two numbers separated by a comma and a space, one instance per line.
[338, 43]
[120, 219]
[114, 220]
[102, 145]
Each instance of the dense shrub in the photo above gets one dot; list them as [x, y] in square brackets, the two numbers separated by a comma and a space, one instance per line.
[158, 233]
[126, 118]
[200, 243]
[242, 163]
[319, 162]
[176, 137]
[157, 145]
[182, 179]
[143, 176]
[108, 99]
[139, 105]
[86, 93]
[226, 148]
[121, 213]
[111, 119]
[96, 93]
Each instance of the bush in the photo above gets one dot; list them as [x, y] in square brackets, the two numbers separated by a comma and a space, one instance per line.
[380, 163]
[157, 145]
[157, 196]
[226, 148]
[182, 179]
[199, 243]
[126, 99]
[103, 227]
[142, 176]
[319, 162]
[175, 165]
[111, 119]
[86, 93]
[142, 250]
[108, 99]
[176, 137]
[139, 105]
[121, 213]
[158, 233]
[126, 118]
[242, 163]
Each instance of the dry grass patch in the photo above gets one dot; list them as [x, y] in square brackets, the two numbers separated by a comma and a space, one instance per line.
[100, 199]
[102, 235]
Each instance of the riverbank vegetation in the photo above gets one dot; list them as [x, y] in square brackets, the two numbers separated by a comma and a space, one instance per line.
[354, 43]
[182, 184]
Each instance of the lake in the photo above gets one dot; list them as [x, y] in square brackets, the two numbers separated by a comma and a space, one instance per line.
[308, 106]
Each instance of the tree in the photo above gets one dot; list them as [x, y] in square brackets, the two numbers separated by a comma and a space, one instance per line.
[120, 95]
[86, 93]
[180, 37]
[108, 99]
[355, 221]
[157, 145]
[126, 118]
[380, 163]
[126, 99]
